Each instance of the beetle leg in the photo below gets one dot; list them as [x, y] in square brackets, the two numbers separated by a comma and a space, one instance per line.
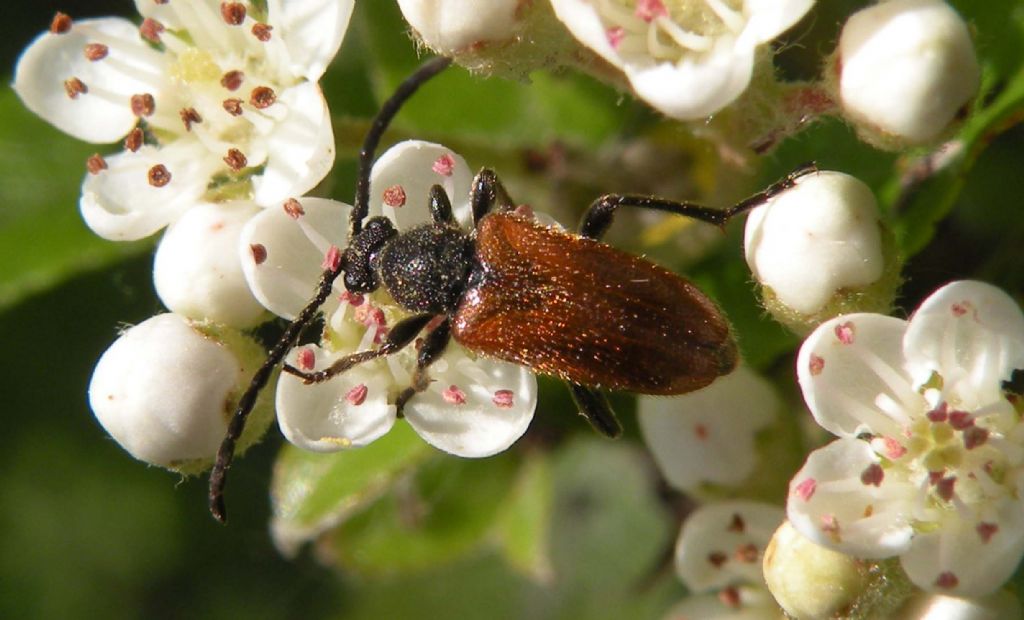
[433, 346]
[595, 408]
[599, 215]
[486, 193]
[400, 335]
[440, 206]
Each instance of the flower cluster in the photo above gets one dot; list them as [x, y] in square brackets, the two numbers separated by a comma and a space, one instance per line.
[212, 100]
[224, 131]
[472, 407]
[928, 466]
[929, 461]
[903, 71]
[220, 115]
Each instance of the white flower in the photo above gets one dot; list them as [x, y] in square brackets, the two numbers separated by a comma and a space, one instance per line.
[906, 69]
[213, 99]
[930, 461]
[816, 240]
[453, 26]
[718, 557]
[197, 271]
[707, 436]
[687, 59]
[473, 407]
[165, 389]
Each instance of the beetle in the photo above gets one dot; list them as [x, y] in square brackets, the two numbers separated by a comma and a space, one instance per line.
[562, 304]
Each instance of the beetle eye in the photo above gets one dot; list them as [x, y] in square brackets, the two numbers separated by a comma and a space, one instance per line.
[361, 280]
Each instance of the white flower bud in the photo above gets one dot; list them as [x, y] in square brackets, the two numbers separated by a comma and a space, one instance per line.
[197, 270]
[166, 388]
[453, 26]
[818, 249]
[906, 69]
[810, 581]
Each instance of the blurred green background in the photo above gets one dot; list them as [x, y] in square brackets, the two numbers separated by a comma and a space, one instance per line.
[85, 531]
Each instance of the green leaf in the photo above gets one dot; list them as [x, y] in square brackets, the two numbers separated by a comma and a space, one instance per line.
[42, 238]
[524, 524]
[312, 492]
[440, 512]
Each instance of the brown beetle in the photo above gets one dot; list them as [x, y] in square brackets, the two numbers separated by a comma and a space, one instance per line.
[559, 303]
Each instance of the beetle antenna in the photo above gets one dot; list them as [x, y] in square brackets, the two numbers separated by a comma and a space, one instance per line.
[226, 452]
[380, 124]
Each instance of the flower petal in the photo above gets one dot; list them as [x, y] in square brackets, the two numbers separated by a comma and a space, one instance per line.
[300, 146]
[971, 333]
[768, 19]
[721, 544]
[348, 411]
[131, 200]
[851, 372]
[584, 22]
[102, 112]
[473, 407]
[312, 31]
[957, 559]
[197, 272]
[282, 256]
[414, 166]
[708, 435]
[697, 86]
[835, 503]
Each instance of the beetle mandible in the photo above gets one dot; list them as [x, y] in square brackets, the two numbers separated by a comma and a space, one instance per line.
[562, 304]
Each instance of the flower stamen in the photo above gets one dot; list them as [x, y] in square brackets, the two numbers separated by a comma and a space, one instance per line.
[75, 87]
[96, 51]
[61, 23]
[143, 105]
[159, 176]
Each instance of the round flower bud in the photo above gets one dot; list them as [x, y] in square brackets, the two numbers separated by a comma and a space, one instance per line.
[510, 38]
[819, 250]
[452, 26]
[197, 270]
[166, 388]
[810, 581]
[906, 69]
